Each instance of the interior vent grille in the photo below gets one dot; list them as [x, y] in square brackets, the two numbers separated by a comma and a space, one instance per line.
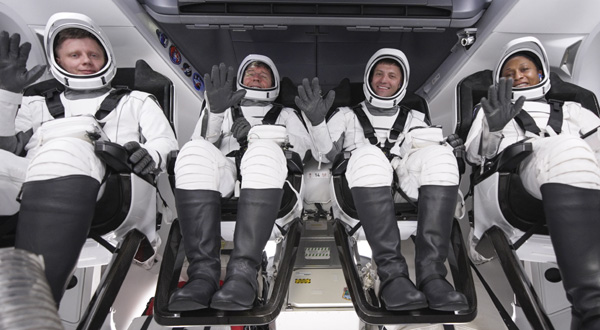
[317, 10]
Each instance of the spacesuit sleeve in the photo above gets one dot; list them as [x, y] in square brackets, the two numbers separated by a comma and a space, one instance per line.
[159, 136]
[211, 124]
[482, 144]
[9, 104]
[15, 126]
[297, 133]
[321, 141]
[345, 132]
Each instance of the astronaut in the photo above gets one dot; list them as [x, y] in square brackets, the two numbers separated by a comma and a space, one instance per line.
[384, 138]
[49, 156]
[233, 138]
[562, 171]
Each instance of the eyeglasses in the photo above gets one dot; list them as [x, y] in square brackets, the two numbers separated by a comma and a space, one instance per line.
[254, 74]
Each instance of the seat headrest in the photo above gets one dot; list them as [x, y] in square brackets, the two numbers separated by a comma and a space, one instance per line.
[565, 91]
[287, 92]
[346, 94]
[470, 91]
[343, 94]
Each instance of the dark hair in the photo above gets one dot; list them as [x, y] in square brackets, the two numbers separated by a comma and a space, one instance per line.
[528, 55]
[259, 64]
[75, 33]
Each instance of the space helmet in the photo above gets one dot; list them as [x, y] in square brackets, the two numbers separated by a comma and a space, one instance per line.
[61, 21]
[531, 48]
[370, 95]
[258, 94]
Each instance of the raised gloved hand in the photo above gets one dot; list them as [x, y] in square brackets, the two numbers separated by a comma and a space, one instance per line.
[240, 128]
[498, 107]
[13, 60]
[310, 102]
[140, 158]
[219, 89]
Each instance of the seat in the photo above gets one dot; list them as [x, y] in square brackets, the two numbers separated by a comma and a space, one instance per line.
[123, 225]
[347, 231]
[511, 218]
[275, 273]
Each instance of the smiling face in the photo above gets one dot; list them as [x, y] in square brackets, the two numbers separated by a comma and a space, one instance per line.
[523, 72]
[258, 75]
[386, 79]
[82, 56]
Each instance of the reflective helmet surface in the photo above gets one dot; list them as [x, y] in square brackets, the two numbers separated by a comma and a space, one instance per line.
[258, 94]
[61, 21]
[534, 49]
[400, 58]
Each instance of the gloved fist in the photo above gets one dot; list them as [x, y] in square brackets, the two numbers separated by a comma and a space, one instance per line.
[240, 128]
[498, 107]
[13, 60]
[455, 141]
[219, 89]
[140, 158]
[310, 102]
[459, 150]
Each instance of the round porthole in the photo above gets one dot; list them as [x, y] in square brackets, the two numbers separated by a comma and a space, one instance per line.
[552, 275]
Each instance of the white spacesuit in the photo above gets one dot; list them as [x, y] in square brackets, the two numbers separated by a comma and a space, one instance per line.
[52, 161]
[252, 135]
[384, 137]
[562, 171]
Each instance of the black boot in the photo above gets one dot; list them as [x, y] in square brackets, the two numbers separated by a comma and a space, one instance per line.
[199, 213]
[573, 219]
[257, 212]
[375, 207]
[54, 221]
[434, 226]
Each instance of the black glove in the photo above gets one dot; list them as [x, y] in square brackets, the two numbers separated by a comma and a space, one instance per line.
[310, 102]
[498, 107]
[240, 129]
[219, 89]
[459, 150]
[140, 158]
[13, 60]
[455, 142]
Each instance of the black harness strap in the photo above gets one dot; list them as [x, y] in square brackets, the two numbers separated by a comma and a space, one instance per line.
[395, 131]
[365, 123]
[271, 117]
[556, 115]
[57, 109]
[526, 122]
[55, 106]
[111, 101]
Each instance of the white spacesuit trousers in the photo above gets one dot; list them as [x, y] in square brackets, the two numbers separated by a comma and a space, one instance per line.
[55, 158]
[431, 165]
[564, 159]
[201, 166]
